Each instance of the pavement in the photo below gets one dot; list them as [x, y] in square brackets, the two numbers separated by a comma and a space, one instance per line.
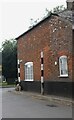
[56, 99]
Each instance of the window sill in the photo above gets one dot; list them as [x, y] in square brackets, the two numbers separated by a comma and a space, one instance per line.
[63, 76]
[28, 80]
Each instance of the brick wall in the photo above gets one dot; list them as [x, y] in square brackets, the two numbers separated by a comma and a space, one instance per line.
[52, 36]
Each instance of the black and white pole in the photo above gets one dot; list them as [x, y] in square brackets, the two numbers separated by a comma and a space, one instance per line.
[42, 74]
[18, 70]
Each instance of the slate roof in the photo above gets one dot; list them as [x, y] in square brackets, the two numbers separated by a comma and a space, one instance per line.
[68, 15]
[70, 0]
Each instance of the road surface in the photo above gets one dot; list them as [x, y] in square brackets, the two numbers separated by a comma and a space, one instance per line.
[0, 103]
[25, 106]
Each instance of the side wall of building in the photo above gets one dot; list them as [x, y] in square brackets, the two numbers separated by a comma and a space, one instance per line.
[54, 38]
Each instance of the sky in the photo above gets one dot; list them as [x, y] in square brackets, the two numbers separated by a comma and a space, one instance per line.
[15, 15]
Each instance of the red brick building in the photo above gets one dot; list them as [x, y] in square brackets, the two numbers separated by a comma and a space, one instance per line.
[45, 54]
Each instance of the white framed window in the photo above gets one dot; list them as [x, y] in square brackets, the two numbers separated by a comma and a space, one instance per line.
[63, 66]
[29, 71]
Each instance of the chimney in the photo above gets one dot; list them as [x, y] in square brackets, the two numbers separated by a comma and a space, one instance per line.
[70, 4]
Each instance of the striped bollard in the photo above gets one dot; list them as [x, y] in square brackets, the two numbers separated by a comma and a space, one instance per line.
[42, 74]
[18, 70]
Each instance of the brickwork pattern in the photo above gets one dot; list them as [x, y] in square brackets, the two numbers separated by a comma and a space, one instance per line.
[54, 38]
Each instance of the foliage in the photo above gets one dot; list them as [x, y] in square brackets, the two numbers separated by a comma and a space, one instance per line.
[9, 59]
[5, 84]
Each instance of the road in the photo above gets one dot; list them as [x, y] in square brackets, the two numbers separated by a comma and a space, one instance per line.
[0, 103]
[25, 106]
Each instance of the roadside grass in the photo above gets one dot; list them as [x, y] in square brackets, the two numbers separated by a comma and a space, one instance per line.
[0, 84]
[5, 84]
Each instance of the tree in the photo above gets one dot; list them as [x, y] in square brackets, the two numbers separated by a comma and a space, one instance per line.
[9, 59]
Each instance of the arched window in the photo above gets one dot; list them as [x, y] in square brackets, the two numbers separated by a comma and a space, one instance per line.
[29, 71]
[63, 66]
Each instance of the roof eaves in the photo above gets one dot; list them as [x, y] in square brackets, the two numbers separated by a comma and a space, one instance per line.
[55, 14]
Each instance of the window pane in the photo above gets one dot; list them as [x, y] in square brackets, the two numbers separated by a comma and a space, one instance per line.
[63, 65]
[29, 71]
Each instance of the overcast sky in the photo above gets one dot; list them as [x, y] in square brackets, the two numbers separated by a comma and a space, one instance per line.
[15, 15]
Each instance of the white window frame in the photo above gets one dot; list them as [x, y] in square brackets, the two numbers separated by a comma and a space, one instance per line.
[61, 59]
[29, 71]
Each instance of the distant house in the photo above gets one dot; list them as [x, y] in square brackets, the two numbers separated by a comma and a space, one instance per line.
[45, 54]
[0, 66]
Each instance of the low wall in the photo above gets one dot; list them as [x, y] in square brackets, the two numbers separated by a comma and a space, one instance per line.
[50, 87]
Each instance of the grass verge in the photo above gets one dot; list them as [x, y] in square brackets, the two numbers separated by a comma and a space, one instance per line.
[5, 84]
